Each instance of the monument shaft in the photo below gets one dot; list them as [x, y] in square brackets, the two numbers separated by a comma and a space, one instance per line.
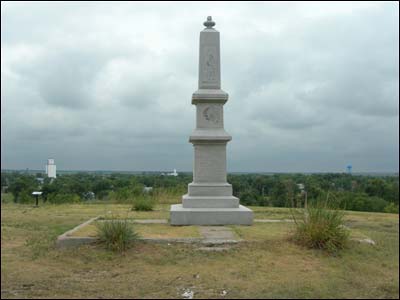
[209, 200]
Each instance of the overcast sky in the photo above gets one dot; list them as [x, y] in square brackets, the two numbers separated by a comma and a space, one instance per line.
[313, 87]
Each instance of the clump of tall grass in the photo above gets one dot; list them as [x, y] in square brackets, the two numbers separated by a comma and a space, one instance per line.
[116, 234]
[143, 203]
[321, 227]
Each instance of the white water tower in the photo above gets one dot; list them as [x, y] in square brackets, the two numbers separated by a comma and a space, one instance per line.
[51, 168]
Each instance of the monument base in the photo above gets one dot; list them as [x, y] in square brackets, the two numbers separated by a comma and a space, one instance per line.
[210, 216]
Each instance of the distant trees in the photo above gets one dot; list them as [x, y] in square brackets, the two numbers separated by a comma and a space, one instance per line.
[21, 187]
[363, 193]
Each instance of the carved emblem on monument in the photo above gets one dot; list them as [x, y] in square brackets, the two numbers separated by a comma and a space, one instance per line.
[211, 114]
[210, 67]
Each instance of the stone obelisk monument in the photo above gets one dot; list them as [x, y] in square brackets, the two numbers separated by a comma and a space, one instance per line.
[209, 200]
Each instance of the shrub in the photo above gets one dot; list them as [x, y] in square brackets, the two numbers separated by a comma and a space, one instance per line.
[392, 208]
[321, 227]
[144, 203]
[116, 234]
[59, 198]
[25, 197]
[6, 198]
[363, 202]
[250, 197]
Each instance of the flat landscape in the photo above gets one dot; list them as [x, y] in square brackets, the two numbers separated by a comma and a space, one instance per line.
[266, 265]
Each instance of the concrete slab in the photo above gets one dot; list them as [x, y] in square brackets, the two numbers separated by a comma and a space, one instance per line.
[216, 232]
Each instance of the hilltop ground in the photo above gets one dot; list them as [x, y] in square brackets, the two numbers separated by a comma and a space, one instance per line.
[267, 265]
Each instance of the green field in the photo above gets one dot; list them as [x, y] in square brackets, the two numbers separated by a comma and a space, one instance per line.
[267, 265]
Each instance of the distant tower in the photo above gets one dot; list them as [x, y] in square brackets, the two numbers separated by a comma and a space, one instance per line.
[51, 168]
[349, 167]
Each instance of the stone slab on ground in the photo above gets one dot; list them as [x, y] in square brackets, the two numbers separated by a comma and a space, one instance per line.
[216, 233]
[217, 238]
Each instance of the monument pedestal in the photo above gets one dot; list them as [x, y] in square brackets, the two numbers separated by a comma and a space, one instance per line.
[209, 200]
[211, 216]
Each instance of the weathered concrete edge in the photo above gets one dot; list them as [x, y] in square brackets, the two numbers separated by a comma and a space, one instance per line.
[172, 240]
[65, 240]
[165, 221]
[273, 220]
[141, 221]
[77, 241]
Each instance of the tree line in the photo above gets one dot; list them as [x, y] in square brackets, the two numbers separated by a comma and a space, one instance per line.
[351, 192]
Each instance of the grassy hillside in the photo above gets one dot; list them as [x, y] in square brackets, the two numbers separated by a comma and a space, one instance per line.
[267, 265]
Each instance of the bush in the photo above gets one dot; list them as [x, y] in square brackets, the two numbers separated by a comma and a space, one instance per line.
[116, 234]
[392, 208]
[250, 197]
[6, 198]
[143, 203]
[321, 227]
[63, 198]
[26, 198]
[363, 202]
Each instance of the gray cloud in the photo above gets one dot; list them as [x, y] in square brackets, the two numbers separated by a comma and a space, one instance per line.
[107, 86]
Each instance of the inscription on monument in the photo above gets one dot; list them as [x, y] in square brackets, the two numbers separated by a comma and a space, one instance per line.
[210, 65]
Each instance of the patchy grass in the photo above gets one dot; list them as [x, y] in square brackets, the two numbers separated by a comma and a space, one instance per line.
[148, 231]
[268, 265]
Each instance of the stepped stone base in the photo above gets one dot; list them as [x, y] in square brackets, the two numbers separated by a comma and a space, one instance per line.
[209, 202]
[210, 216]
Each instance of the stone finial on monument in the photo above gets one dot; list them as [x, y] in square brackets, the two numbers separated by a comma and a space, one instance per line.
[209, 23]
[209, 66]
[209, 200]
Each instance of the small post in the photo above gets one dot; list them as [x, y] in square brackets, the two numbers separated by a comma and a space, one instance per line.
[305, 199]
[37, 194]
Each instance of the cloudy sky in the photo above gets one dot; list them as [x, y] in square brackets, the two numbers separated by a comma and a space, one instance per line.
[107, 86]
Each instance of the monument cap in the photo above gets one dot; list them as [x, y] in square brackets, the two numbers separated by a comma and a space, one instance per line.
[209, 23]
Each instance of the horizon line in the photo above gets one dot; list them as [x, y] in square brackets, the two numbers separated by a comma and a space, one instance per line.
[161, 171]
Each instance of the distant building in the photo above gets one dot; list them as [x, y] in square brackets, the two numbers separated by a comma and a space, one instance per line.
[300, 186]
[147, 189]
[173, 173]
[51, 168]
